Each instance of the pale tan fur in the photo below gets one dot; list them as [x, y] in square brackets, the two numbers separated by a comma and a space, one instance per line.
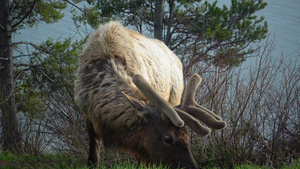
[141, 55]
[128, 53]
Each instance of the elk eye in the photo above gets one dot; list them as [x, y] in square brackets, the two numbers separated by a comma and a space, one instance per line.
[168, 139]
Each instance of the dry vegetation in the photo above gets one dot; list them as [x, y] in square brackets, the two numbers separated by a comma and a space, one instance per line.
[260, 103]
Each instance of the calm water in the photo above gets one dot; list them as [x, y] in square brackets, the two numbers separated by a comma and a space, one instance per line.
[284, 22]
[283, 18]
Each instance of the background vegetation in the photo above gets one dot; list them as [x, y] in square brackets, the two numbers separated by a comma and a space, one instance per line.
[260, 104]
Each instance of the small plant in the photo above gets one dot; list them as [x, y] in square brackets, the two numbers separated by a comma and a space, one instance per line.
[294, 165]
[247, 166]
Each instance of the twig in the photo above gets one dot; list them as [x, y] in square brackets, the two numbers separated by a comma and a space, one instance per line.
[31, 44]
[76, 7]
[25, 16]
[1, 58]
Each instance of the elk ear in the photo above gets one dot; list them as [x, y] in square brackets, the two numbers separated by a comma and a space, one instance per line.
[138, 105]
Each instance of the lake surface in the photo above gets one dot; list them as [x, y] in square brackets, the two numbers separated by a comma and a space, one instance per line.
[283, 18]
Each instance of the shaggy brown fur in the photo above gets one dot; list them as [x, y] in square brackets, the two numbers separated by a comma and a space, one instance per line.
[118, 113]
[114, 122]
[112, 56]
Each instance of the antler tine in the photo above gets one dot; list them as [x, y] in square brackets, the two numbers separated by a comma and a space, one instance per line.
[193, 108]
[190, 90]
[189, 95]
[193, 123]
[156, 100]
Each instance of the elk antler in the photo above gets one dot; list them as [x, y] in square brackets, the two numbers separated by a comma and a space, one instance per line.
[188, 112]
[156, 100]
[196, 111]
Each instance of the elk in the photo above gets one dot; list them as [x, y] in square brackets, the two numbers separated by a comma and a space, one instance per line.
[130, 88]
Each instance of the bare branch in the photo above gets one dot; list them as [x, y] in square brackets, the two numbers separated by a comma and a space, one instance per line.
[25, 16]
[76, 6]
[31, 44]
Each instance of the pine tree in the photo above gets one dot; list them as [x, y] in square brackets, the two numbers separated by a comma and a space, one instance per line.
[15, 15]
[196, 31]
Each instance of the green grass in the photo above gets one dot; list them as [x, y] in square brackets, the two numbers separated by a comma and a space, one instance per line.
[63, 161]
[59, 161]
[294, 165]
[246, 166]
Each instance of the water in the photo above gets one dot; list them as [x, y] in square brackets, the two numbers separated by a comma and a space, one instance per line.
[283, 18]
[284, 22]
[65, 28]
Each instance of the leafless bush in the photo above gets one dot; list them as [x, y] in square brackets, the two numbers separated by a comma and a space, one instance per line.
[33, 137]
[50, 120]
[260, 104]
[67, 125]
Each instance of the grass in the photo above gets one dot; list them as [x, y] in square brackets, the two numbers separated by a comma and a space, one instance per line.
[63, 161]
[59, 161]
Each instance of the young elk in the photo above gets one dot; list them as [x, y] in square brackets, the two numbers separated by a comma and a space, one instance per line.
[130, 88]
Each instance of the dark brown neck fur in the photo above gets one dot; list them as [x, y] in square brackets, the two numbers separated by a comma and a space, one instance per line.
[121, 128]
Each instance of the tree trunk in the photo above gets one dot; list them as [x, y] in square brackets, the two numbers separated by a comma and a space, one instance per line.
[169, 25]
[11, 136]
[158, 20]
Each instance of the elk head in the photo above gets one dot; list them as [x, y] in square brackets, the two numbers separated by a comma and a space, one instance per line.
[166, 140]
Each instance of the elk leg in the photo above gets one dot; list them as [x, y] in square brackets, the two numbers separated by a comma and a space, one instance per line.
[95, 145]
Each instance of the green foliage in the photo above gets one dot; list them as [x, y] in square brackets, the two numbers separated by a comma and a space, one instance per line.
[50, 12]
[50, 75]
[31, 12]
[222, 33]
[195, 30]
[104, 11]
